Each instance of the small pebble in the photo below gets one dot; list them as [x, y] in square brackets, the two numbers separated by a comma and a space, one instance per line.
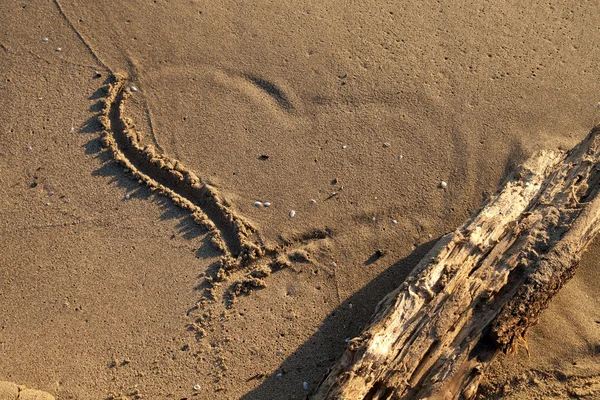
[373, 219]
[133, 89]
[127, 196]
[258, 204]
[350, 305]
[305, 385]
[313, 201]
[400, 157]
[279, 375]
[347, 340]
[386, 145]
[196, 387]
[44, 40]
[344, 147]
[394, 222]
[28, 148]
[443, 185]
[267, 204]
[292, 213]
[58, 49]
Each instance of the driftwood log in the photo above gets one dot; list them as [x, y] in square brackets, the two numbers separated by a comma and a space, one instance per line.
[480, 288]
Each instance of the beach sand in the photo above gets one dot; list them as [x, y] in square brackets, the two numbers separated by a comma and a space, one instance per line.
[111, 290]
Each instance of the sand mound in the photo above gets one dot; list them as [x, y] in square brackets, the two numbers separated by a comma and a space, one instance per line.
[12, 391]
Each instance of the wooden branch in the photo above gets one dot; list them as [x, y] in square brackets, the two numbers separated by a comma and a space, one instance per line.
[480, 288]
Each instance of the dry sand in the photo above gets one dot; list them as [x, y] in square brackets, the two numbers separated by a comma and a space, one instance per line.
[103, 282]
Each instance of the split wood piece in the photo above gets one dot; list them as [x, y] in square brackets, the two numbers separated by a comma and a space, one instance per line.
[480, 288]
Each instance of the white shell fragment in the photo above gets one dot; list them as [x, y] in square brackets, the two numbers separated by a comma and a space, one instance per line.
[394, 222]
[59, 49]
[313, 201]
[305, 385]
[443, 185]
[400, 157]
[292, 213]
[127, 196]
[44, 40]
[267, 204]
[197, 387]
[344, 147]
[133, 89]
[28, 148]
[386, 145]
[258, 204]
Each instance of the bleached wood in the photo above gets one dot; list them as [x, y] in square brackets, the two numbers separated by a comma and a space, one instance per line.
[480, 288]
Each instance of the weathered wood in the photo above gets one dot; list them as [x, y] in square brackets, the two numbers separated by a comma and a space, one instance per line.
[480, 288]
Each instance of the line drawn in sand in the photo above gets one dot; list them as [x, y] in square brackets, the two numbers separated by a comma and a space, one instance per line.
[239, 241]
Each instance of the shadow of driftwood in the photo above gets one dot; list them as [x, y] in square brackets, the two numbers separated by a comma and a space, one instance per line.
[313, 358]
[516, 156]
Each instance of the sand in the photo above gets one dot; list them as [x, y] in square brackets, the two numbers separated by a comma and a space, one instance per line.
[109, 288]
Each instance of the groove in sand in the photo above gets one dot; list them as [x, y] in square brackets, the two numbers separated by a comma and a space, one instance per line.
[240, 242]
[232, 234]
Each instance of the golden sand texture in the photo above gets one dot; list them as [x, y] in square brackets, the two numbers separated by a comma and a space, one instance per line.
[278, 102]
